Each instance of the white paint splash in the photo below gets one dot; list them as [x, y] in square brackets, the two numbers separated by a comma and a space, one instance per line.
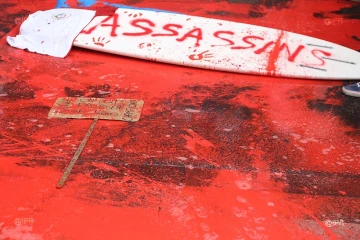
[243, 185]
[19, 232]
[327, 150]
[190, 110]
[210, 236]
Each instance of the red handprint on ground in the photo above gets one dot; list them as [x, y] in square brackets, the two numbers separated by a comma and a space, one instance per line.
[201, 56]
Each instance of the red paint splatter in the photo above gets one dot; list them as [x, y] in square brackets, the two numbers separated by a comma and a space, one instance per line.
[201, 56]
[274, 55]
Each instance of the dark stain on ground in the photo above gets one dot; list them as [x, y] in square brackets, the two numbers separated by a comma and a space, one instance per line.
[279, 4]
[41, 163]
[320, 183]
[17, 90]
[105, 174]
[98, 91]
[348, 112]
[198, 88]
[9, 20]
[240, 112]
[117, 196]
[296, 97]
[218, 109]
[21, 135]
[255, 14]
[245, 1]
[73, 92]
[319, 15]
[352, 12]
[132, 2]
[258, 8]
[356, 38]
[5, 19]
[226, 13]
[113, 163]
[218, 102]
[167, 173]
[199, 176]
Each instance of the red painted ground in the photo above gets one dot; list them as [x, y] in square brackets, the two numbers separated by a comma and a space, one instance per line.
[214, 156]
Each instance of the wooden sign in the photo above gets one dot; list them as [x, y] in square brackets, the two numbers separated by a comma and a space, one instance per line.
[97, 108]
[111, 109]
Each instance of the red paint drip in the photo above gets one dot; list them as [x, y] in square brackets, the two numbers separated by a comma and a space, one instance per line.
[274, 55]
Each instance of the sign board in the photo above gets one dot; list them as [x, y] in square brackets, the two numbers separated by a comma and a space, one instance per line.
[111, 109]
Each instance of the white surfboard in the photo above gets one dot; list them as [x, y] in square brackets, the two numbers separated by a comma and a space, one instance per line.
[218, 45]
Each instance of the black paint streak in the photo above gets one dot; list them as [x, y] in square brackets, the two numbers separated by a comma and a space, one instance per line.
[336, 60]
[254, 14]
[278, 4]
[312, 67]
[314, 45]
[226, 13]
[319, 15]
[352, 12]
[356, 38]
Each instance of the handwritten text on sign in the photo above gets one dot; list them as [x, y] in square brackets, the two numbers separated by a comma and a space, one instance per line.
[112, 109]
[221, 38]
